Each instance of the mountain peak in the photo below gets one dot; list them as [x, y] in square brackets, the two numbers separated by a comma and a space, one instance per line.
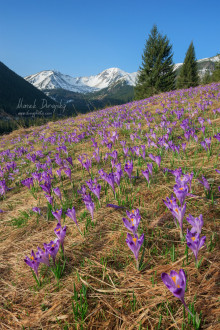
[53, 79]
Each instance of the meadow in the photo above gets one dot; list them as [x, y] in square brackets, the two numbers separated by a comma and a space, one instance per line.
[110, 220]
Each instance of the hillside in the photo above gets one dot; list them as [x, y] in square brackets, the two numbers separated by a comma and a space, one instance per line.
[97, 209]
[16, 93]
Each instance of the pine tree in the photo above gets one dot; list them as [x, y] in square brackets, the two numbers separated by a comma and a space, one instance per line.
[156, 73]
[188, 76]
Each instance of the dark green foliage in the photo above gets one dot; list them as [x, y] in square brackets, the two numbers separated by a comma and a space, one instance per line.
[216, 73]
[188, 76]
[118, 93]
[13, 87]
[156, 73]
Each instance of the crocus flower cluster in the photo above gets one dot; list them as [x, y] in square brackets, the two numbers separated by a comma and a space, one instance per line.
[134, 243]
[50, 250]
[87, 199]
[181, 190]
[94, 187]
[193, 239]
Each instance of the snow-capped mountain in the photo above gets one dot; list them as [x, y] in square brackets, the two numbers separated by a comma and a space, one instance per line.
[53, 80]
[45, 80]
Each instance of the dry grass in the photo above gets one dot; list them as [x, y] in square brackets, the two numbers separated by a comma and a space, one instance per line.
[119, 296]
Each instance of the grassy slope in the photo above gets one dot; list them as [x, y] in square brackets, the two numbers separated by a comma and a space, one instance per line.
[118, 296]
[13, 87]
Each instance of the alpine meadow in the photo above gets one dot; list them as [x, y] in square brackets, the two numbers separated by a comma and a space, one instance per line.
[110, 196]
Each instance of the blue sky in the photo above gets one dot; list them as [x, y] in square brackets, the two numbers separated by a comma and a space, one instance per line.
[85, 37]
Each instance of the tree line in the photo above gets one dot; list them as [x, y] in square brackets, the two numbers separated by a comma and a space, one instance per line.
[156, 73]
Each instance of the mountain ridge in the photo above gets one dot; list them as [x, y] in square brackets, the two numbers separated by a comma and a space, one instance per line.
[53, 79]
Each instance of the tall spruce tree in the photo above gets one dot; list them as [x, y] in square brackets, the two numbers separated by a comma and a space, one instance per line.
[156, 73]
[188, 76]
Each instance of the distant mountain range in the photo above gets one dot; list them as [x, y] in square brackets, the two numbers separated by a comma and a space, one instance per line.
[110, 87]
[47, 80]
[77, 94]
[51, 79]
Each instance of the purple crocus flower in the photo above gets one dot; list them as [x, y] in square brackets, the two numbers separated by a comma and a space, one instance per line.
[158, 160]
[36, 176]
[184, 146]
[194, 242]
[181, 192]
[125, 150]
[3, 187]
[123, 143]
[203, 144]
[205, 183]
[208, 142]
[110, 179]
[87, 198]
[133, 213]
[151, 157]
[80, 159]
[89, 184]
[90, 207]
[49, 199]
[150, 168]
[133, 225]
[217, 136]
[176, 283]
[87, 164]
[82, 191]
[36, 210]
[71, 213]
[115, 206]
[57, 192]
[69, 159]
[52, 248]
[146, 174]
[96, 155]
[42, 257]
[32, 262]
[61, 233]
[135, 243]
[129, 168]
[67, 171]
[96, 190]
[117, 177]
[46, 187]
[178, 213]
[170, 202]
[59, 173]
[28, 182]
[57, 214]
[196, 223]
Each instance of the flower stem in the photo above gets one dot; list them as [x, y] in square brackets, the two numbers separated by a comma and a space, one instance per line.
[183, 301]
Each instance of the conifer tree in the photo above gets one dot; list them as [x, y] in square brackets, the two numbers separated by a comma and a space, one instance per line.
[156, 73]
[188, 76]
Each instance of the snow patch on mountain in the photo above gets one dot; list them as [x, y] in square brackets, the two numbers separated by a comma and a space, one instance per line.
[53, 80]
